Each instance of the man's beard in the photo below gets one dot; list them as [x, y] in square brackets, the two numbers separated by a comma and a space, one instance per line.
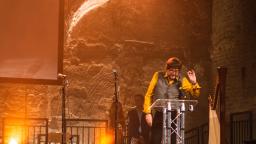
[173, 77]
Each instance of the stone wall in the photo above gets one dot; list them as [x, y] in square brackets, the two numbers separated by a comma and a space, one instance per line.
[133, 37]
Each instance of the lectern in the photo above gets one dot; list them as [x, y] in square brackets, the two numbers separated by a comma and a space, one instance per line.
[175, 126]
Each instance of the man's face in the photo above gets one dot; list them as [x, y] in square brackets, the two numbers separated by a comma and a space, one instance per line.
[139, 102]
[173, 73]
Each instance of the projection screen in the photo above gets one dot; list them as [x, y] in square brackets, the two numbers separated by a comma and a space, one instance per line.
[31, 41]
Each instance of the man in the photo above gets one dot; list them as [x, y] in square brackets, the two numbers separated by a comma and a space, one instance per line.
[168, 85]
[138, 130]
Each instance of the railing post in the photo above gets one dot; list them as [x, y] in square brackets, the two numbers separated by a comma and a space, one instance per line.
[3, 127]
[198, 135]
[46, 131]
[222, 72]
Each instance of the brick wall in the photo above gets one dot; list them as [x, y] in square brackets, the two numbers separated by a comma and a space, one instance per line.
[233, 46]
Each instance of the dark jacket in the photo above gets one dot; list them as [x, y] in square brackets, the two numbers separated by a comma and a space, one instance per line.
[134, 124]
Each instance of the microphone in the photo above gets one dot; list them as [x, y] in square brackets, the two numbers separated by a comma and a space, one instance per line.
[114, 72]
[61, 75]
[116, 80]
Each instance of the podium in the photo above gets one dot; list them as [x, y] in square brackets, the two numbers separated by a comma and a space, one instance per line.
[175, 126]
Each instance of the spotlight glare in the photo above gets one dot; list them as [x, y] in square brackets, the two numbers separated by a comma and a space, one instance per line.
[13, 141]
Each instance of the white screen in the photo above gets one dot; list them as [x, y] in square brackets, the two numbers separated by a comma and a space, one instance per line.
[29, 37]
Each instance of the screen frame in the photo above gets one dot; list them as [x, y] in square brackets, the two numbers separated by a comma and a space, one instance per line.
[60, 48]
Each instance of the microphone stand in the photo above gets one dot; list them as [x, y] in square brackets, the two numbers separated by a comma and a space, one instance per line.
[63, 97]
[116, 105]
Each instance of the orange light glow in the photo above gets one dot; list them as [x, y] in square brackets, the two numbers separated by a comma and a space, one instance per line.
[15, 131]
[107, 139]
[13, 140]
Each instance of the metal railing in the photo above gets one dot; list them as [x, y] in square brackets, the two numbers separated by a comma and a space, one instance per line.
[198, 135]
[86, 131]
[241, 127]
[35, 131]
[25, 130]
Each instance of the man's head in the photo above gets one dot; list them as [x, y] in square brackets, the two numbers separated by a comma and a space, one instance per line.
[138, 101]
[173, 66]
